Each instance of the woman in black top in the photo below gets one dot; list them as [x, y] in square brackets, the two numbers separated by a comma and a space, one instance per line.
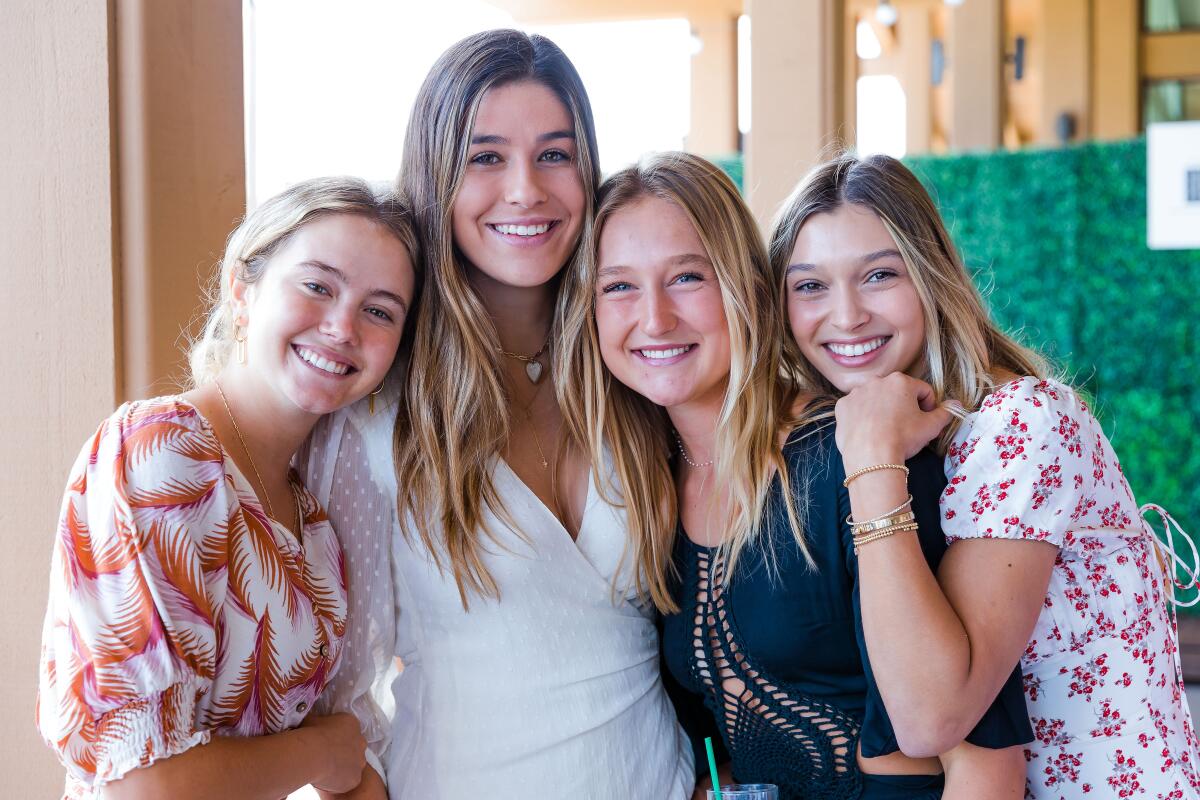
[675, 328]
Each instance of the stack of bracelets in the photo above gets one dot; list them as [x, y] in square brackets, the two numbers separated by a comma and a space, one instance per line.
[900, 518]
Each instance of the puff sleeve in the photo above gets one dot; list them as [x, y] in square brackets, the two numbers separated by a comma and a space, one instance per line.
[129, 642]
[1027, 465]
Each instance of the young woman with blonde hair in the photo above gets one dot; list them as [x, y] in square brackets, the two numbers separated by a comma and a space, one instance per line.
[197, 600]
[733, 490]
[1049, 564]
[530, 664]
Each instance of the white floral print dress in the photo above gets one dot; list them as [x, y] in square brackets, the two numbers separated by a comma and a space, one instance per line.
[1101, 671]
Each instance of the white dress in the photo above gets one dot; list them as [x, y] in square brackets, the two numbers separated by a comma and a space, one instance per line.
[551, 692]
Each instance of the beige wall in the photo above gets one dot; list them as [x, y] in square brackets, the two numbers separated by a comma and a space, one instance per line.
[795, 99]
[547, 12]
[973, 75]
[713, 127]
[1114, 65]
[60, 362]
[181, 163]
[118, 189]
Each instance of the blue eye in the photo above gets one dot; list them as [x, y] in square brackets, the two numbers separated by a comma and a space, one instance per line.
[619, 286]
[881, 275]
[315, 287]
[689, 277]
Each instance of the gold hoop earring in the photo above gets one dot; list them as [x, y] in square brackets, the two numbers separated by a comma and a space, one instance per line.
[371, 400]
[239, 343]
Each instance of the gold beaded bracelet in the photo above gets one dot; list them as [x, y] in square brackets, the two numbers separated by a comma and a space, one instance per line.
[860, 541]
[858, 473]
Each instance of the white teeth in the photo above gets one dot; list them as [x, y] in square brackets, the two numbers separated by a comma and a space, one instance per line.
[321, 363]
[860, 349]
[523, 230]
[669, 353]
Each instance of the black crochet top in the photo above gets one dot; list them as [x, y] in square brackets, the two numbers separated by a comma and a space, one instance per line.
[780, 663]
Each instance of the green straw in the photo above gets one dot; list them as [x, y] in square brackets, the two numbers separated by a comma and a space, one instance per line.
[712, 768]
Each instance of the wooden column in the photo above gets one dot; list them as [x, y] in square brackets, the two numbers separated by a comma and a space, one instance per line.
[796, 95]
[59, 324]
[122, 145]
[714, 127]
[916, 68]
[182, 171]
[975, 70]
[1064, 64]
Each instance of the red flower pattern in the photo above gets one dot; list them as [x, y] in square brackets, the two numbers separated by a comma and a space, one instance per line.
[1034, 464]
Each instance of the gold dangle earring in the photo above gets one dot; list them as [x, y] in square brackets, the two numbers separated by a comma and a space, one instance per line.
[239, 341]
[371, 400]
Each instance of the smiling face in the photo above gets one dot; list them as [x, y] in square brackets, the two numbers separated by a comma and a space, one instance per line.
[852, 305]
[324, 321]
[659, 312]
[520, 208]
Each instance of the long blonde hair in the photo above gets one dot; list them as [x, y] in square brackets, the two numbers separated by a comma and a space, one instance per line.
[450, 426]
[264, 231]
[634, 432]
[965, 351]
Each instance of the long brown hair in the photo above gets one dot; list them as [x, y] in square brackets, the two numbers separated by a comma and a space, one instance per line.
[450, 428]
[965, 352]
[632, 434]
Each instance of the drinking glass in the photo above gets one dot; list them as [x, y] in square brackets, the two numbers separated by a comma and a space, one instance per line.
[747, 791]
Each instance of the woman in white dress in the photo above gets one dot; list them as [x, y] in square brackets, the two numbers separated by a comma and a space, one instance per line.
[530, 657]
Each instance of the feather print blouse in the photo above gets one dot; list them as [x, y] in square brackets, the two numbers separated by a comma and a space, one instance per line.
[178, 609]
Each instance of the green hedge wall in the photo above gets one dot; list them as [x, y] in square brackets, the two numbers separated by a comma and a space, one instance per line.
[1057, 241]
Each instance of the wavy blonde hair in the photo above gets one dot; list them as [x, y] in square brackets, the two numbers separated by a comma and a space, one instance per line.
[964, 349]
[634, 432]
[451, 424]
[266, 230]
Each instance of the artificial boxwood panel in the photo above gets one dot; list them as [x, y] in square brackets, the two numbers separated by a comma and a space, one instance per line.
[1057, 241]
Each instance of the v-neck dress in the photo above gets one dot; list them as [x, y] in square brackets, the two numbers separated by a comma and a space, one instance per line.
[551, 691]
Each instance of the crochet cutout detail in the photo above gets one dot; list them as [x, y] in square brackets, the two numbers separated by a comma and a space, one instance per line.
[773, 734]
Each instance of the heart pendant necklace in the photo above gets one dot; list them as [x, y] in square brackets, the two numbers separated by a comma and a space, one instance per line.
[533, 367]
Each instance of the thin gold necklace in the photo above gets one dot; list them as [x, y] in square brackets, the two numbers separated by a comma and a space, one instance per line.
[528, 412]
[261, 485]
[533, 367]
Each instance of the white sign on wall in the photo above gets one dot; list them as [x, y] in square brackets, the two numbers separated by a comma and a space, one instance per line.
[1173, 186]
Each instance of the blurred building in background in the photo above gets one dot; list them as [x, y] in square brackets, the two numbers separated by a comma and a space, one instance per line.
[130, 151]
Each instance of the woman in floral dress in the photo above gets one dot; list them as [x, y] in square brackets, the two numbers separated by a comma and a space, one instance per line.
[1049, 560]
[198, 597]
